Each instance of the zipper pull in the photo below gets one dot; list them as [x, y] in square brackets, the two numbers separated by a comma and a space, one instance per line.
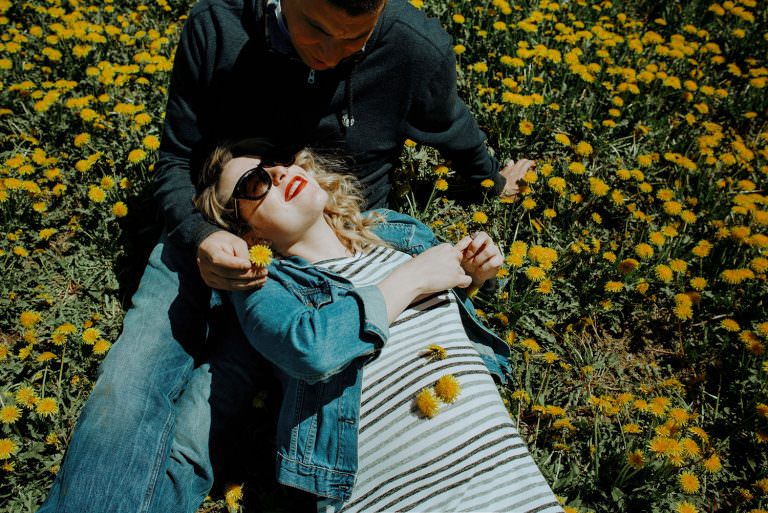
[311, 77]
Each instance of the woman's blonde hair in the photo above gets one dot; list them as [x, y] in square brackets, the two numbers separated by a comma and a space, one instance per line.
[342, 210]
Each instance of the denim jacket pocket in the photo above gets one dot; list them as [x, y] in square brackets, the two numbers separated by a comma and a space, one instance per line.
[313, 296]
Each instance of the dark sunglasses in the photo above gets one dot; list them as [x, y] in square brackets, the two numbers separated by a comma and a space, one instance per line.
[255, 183]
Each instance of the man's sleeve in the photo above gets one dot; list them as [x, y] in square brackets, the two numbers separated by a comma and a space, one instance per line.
[440, 119]
[174, 182]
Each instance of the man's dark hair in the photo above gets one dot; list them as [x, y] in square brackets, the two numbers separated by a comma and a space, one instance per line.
[357, 7]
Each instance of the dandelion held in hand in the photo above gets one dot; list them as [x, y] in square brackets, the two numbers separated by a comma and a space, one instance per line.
[260, 255]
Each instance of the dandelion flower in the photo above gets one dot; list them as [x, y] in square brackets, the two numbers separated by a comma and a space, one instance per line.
[636, 459]
[729, 325]
[47, 407]
[441, 184]
[487, 183]
[664, 273]
[96, 194]
[682, 309]
[435, 352]
[260, 255]
[448, 388]
[91, 335]
[689, 483]
[583, 148]
[9, 414]
[151, 142]
[702, 248]
[525, 127]
[712, 464]
[26, 397]
[480, 217]
[101, 346]
[614, 286]
[644, 251]
[535, 273]
[7, 448]
[233, 494]
[119, 209]
[686, 507]
[136, 156]
[29, 318]
[563, 139]
[427, 403]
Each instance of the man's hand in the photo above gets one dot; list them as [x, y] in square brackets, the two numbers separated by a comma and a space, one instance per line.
[480, 258]
[224, 264]
[514, 173]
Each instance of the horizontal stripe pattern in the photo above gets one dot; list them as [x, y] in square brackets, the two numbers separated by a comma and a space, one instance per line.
[468, 457]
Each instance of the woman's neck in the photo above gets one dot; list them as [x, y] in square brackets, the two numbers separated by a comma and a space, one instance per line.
[319, 242]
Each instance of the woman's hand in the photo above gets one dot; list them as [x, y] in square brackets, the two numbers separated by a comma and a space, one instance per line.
[480, 258]
[436, 269]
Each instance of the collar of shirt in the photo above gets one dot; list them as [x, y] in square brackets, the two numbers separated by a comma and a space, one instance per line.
[279, 36]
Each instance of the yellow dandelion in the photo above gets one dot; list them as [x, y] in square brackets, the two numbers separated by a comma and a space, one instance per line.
[96, 194]
[47, 407]
[544, 287]
[101, 346]
[151, 142]
[9, 414]
[427, 403]
[614, 286]
[686, 507]
[136, 156]
[233, 494]
[631, 428]
[702, 248]
[730, 325]
[644, 251]
[119, 209]
[699, 283]
[531, 345]
[487, 183]
[583, 148]
[525, 127]
[535, 273]
[7, 448]
[682, 309]
[562, 139]
[91, 335]
[529, 203]
[260, 255]
[576, 168]
[29, 318]
[636, 459]
[480, 217]
[435, 352]
[712, 464]
[664, 273]
[26, 396]
[689, 483]
[448, 388]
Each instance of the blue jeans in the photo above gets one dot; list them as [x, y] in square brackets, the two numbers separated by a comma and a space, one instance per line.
[140, 444]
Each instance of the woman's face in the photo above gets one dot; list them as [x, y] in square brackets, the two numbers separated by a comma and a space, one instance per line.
[294, 203]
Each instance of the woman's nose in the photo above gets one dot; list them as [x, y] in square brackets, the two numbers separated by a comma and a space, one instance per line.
[278, 173]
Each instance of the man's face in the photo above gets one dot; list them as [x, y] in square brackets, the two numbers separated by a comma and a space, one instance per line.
[323, 34]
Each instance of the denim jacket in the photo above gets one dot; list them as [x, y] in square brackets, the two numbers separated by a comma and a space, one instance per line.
[318, 330]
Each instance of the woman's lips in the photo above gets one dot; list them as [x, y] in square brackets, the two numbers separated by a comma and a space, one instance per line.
[294, 187]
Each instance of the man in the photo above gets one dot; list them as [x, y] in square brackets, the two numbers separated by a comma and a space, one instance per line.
[355, 77]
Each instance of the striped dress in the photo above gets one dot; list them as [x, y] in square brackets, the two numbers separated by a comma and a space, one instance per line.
[469, 456]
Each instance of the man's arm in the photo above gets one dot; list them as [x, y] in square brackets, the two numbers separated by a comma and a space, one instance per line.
[440, 119]
[222, 257]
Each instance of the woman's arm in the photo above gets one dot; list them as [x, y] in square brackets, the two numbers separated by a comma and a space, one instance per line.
[315, 339]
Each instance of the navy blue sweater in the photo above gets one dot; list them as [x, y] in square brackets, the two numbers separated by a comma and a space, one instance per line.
[229, 83]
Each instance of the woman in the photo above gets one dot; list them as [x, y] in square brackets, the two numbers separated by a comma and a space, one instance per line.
[389, 402]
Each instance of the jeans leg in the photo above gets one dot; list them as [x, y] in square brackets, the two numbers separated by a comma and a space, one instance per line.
[118, 452]
[214, 418]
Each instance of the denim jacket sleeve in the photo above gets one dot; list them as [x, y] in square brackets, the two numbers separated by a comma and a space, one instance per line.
[314, 334]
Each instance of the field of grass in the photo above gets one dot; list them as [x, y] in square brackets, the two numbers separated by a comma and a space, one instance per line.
[634, 290]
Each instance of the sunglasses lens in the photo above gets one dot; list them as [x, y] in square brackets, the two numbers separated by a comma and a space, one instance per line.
[254, 183]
